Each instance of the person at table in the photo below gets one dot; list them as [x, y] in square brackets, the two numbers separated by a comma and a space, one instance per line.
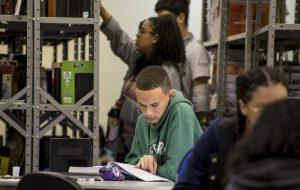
[167, 128]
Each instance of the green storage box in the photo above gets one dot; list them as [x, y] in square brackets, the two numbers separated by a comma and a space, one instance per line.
[76, 81]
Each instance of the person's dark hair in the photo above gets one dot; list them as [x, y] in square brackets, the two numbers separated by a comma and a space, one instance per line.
[169, 48]
[248, 82]
[276, 134]
[153, 77]
[174, 6]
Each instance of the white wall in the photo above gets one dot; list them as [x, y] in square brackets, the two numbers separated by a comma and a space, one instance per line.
[129, 13]
[195, 18]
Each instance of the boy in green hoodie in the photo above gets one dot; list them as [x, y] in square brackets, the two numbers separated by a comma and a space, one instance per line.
[167, 127]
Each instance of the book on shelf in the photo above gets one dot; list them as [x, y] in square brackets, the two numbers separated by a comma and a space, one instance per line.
[7, 74]
[61, 8]
[50, 8]
[7, 7]
[75, 8]
[46, 82]
[43, 10]
[56, 70]
[86, 8]
[17, 62]
[6, 86]
[20, 7]
[70, 8]
[126, 169]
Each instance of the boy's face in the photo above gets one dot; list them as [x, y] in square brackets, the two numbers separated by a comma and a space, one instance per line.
[153, 103]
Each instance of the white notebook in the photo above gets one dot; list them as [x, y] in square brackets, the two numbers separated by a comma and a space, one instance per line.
[138, 173]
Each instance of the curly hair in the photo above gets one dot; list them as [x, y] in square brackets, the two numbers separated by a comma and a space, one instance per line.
[276, 134]
[174, 6]
[248, 82]
[169, 48]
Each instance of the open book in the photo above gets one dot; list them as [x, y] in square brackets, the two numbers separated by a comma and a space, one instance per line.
[126, 169]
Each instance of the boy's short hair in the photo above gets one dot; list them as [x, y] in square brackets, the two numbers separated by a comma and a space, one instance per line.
[153, 77]
[174, 6]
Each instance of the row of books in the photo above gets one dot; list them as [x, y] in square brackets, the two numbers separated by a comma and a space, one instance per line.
[67, 82]
[49, 8]
[66, 8]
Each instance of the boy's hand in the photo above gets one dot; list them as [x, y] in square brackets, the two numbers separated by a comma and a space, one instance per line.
[148, 163]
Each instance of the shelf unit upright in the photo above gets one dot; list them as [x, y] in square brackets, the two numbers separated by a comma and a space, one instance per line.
[222, 44]
[281, 38]
[70, 26]
[276, 32]
[287, 34]
[221, 60]
[13, 26]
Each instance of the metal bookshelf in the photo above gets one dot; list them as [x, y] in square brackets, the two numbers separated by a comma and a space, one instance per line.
[287, 34]
[23, 99]
[51, 30]
[70, 26]
[223, 43]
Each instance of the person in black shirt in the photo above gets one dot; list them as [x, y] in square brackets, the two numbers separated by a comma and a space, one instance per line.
[254, 89]
[268, 158]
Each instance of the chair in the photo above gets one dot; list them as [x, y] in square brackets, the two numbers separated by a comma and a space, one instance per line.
[183, 164]
[47, 181]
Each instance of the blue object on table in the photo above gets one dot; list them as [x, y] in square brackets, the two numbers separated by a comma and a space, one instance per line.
[111, 174]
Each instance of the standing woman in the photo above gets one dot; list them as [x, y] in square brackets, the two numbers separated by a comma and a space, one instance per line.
[158, 42]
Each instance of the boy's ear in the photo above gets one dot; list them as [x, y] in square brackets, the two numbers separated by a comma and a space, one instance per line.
[170, 94]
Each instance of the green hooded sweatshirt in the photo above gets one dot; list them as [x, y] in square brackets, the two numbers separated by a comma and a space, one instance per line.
[168, 140]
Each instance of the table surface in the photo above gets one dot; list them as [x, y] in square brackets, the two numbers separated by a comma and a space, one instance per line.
[121, 185]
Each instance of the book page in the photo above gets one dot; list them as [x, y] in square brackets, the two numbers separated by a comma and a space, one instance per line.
[139, 173]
